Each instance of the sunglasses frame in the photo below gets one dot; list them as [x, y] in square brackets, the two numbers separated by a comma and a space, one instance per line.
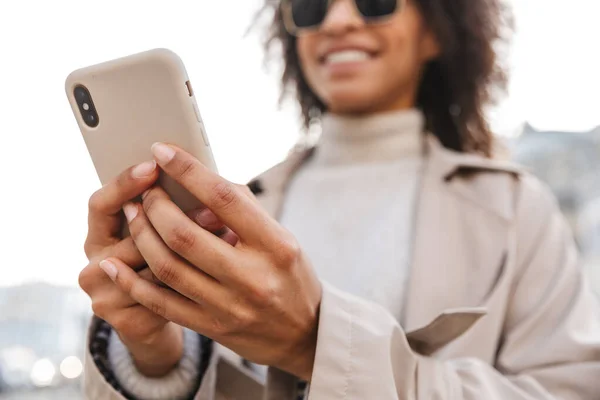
[292, 29]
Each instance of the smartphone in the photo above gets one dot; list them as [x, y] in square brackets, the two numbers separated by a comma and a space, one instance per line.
[125, 105]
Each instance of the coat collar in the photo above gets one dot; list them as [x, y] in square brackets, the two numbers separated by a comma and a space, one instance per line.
[443, 166]
[452, 163]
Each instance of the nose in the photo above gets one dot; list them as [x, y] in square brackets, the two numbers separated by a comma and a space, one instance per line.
[341, 18]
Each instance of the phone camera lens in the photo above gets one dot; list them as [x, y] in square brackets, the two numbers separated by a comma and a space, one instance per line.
[91, 119]
[80, 93]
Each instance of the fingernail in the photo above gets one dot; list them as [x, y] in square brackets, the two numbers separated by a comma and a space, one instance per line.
[109, 268]
[206, 218]
[162, 152]
[130, 211]
[144, 169]
[145, 194]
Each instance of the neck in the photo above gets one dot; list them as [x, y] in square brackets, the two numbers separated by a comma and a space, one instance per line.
[403, 99]
[380, 137]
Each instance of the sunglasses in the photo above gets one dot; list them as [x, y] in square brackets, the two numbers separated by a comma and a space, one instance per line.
[303, 16]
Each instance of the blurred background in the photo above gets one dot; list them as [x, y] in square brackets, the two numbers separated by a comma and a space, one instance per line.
[549, 120]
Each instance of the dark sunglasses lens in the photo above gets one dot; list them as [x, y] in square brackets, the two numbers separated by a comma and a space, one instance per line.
[376, 8]
[308, 13]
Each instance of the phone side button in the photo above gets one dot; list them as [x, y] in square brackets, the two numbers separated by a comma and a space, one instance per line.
[202, 128]
[197, 112]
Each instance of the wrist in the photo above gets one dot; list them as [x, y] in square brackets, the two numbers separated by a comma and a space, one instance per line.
[303, 368]
[157, 357]
[301, 365]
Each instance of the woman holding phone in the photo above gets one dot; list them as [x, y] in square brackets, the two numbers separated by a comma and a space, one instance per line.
[396, 259]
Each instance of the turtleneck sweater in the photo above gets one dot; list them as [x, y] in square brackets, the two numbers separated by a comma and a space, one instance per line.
[351, 207]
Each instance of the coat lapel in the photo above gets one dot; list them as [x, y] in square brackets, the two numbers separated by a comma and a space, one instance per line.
[454, 266]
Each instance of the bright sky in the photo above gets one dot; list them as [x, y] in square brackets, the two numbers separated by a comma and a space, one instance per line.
[48, 177]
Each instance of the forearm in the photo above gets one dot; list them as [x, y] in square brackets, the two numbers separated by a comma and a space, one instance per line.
[156, 358]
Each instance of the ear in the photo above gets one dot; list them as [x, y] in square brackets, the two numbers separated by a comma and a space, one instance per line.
[430, 46]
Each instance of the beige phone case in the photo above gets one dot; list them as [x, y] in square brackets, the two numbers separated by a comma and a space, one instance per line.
[141, 99]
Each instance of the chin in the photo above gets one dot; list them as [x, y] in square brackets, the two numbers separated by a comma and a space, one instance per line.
[352, 102]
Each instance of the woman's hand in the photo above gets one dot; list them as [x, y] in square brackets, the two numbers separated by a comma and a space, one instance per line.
[255, 294]
[155, 344]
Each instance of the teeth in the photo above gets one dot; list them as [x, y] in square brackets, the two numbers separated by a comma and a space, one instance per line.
[347, 56]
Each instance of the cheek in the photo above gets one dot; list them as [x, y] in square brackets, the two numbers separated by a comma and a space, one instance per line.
[401, 57]
[306, 48]
[311, 69]
[401, 63]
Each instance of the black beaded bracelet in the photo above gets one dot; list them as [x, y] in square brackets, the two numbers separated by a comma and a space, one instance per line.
[302, 390]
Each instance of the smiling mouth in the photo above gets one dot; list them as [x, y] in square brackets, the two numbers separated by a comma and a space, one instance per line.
[346, 56]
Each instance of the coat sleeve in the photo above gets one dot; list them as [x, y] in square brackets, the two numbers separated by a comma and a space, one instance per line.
[550, 348]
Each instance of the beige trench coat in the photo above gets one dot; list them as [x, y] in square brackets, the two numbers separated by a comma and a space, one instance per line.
[497, 308]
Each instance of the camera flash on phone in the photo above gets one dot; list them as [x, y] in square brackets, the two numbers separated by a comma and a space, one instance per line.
[86, 106]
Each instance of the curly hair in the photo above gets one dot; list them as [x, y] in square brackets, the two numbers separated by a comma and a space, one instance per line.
[455, 88]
